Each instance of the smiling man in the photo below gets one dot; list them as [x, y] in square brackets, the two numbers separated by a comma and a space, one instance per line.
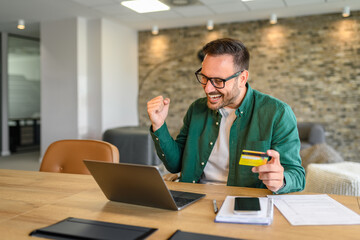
[233, 117]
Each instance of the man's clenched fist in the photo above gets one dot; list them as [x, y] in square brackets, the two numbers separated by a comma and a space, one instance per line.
[158, 109]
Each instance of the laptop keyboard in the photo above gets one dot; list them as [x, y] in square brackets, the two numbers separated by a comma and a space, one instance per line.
[182, 198]
[182, 201]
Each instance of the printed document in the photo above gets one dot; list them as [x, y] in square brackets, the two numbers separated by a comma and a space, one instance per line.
[314, 210]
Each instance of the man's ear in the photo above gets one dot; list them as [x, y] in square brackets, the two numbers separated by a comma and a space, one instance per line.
[243, 78]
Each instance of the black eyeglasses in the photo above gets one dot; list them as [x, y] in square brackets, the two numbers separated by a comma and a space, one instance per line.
[216, 82]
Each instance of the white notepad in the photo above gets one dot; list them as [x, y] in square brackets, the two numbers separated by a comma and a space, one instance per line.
[265, 217]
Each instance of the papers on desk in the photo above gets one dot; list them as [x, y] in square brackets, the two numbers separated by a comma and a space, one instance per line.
[265, 217]
[314, 210]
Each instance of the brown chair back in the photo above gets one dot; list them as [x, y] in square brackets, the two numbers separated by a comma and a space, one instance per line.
[66, 156]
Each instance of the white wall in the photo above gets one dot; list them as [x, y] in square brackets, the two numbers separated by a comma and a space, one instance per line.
[119, 47]
[59, 109]
[94, 78]
[112, 76]
[89, 78]
[82, 78]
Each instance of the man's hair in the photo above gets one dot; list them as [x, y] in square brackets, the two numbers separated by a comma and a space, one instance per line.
[232, 47]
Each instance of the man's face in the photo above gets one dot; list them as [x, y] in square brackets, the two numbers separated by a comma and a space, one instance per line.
[222, 66]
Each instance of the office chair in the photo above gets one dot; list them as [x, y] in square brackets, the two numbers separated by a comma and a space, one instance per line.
[311, 134]
[66, 156]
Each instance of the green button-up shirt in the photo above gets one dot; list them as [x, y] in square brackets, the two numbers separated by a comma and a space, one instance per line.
[262, 122]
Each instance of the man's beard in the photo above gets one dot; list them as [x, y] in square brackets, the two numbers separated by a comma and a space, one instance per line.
[222, 103]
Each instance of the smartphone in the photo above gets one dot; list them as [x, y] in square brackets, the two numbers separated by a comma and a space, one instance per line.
[247, 205]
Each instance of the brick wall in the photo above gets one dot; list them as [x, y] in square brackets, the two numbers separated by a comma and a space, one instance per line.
[312, 63]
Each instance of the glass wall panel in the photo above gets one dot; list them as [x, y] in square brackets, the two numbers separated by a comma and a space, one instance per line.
[24, 92]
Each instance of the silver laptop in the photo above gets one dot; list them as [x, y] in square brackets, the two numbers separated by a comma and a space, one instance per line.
[138, 184]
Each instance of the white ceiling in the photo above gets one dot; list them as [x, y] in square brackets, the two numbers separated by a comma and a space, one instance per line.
[220, 11]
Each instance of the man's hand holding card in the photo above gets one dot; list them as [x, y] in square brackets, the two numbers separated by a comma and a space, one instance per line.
[270, 172]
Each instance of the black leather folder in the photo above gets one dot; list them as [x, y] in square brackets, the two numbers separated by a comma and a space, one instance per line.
[181, 235]
[75, 228]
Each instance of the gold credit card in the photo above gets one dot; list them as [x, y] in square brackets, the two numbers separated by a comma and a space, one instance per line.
[253, 158]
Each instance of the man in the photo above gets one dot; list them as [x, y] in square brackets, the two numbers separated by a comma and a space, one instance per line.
[233, 117]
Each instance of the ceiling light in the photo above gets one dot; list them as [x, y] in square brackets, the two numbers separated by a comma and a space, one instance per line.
[180, 2]
[155, 30]
[273, 19]
[145, 6]
[21, 24]
[346, 11]
[210, 25]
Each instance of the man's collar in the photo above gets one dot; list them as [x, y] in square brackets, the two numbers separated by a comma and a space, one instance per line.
[246, 103]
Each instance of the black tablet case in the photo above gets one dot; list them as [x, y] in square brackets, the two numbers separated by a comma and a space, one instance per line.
[75, 228]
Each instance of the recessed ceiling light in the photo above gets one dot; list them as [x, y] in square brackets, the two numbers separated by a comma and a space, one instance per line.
[273, 19]
[21, 24]
[180, 2]
[210, 25]
[346, 11]
[145, 6]
[155, 30]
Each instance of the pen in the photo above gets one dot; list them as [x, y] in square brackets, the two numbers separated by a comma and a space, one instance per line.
[215, 206]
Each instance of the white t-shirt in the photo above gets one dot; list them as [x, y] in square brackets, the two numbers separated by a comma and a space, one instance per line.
[216, 170]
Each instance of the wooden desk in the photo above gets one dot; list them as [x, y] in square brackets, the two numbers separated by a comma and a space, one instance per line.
[31, 200]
